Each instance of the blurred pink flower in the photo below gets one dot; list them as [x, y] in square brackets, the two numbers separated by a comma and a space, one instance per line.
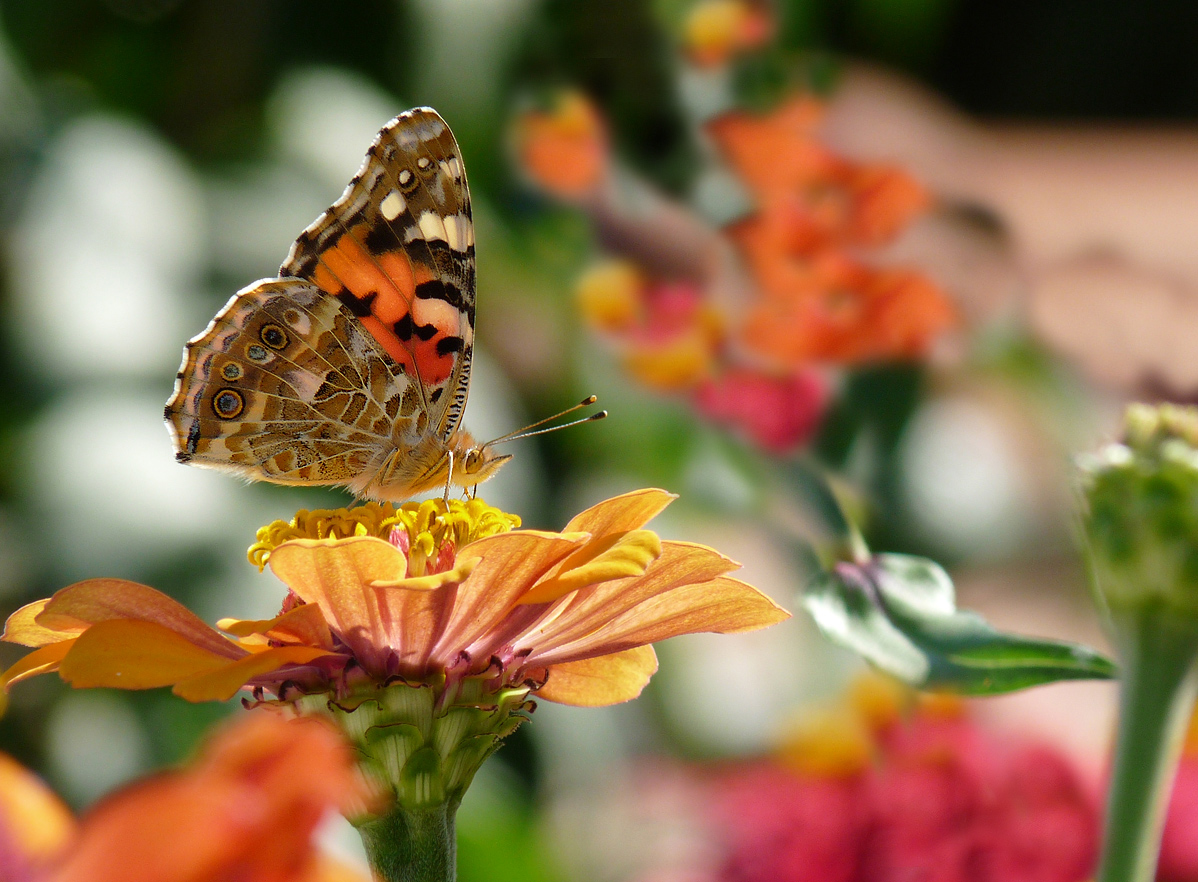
[943, 801]
[1179, 847]
[778, 413]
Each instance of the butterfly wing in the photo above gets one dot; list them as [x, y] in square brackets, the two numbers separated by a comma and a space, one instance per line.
[397, 249]
[286, 385]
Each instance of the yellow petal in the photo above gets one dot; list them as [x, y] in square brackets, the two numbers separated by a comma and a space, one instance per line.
[21, 627]
[223, 683]
[615, 556]
[126, 654]
[41, 661]
[433, 581]
[598, 682]
[304, 624]
[338, 576]
[629, 511]
[102, 600]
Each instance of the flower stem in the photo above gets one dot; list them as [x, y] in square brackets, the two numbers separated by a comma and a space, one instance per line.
[1157, 690]
[413, 845]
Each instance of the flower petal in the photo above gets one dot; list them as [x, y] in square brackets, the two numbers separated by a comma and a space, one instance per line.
[509, 564]
[629, 511]
[680, 563]
[101, 600]
[22, 628]
[223, 683]
[417, 611]
[614, 556]
[43, 660]
[125, 654]
[601, 681]
[337, 575]
[304, 625]
[721, 605]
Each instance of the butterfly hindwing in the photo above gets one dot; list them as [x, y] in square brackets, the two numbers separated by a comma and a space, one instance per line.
[285, 385]
[397, 249]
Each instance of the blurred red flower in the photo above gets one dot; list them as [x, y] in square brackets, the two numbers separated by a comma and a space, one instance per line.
[941, 801]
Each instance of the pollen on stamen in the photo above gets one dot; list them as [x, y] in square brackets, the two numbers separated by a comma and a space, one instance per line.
[425, 527]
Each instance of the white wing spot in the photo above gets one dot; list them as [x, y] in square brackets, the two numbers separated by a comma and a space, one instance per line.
[423, 162]
[459, 232]
[432, 226]
[394, 205]
[405, 177]
[452, 167]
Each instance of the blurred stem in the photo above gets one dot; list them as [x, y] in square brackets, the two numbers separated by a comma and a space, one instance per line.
[1157, 647]
[413, 845]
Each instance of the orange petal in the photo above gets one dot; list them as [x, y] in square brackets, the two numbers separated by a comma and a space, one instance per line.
[721, 605]
[22, 628]
[613, 556]
[598, 682]
[126, 654]
[223, 683]
[337, 575]
[681, 563]
[245, 808]
[33, 821]
[629, 511]
[101, 600]
[304, 624]
[40, 661]
[509, 564]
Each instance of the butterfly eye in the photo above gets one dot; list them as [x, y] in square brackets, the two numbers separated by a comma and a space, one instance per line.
[228, 404]
[274, 337]
[231, 371]
[257, 354]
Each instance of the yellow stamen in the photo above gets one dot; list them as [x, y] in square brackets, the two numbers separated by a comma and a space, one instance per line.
[429, 525]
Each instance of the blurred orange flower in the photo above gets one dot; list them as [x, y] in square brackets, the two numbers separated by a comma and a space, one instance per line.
[563, 148]
[244, 809]
[35, 825]
[814, 209]
[716, 30]
[449, 593]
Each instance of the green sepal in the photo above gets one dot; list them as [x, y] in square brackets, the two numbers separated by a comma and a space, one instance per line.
[899, 612]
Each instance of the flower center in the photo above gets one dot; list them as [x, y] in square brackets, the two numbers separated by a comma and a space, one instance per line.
[428, 532]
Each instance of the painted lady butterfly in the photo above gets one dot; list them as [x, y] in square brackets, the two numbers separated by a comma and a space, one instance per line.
[352, 367]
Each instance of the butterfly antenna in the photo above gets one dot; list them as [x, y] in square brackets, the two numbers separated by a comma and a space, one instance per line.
[527, 433]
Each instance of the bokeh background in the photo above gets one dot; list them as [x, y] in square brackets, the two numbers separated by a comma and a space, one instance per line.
[157, 155]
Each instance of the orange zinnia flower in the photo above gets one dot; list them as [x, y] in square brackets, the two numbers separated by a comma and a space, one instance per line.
[245, 809]
[34, 823]
[716, 30]
[564, 148]
[421, 630]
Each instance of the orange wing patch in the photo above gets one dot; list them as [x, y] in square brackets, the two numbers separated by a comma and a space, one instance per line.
[381, 291]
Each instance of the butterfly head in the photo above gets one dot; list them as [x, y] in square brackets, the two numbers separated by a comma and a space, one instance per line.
[473, 463]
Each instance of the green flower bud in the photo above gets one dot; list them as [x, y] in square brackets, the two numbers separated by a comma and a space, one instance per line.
[1140, 511]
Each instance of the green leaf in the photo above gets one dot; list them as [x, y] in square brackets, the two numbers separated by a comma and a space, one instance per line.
[900, 613]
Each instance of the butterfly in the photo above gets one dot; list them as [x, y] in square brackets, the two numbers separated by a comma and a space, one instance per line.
[352, 367]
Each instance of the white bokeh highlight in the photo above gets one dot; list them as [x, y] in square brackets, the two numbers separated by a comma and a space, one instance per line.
[95, 743]
[964, 480]
[109, 244]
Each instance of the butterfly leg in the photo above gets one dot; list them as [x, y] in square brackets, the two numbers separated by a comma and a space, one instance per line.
[448, 478]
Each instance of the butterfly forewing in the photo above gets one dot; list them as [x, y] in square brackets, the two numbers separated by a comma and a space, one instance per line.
[398, 249]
